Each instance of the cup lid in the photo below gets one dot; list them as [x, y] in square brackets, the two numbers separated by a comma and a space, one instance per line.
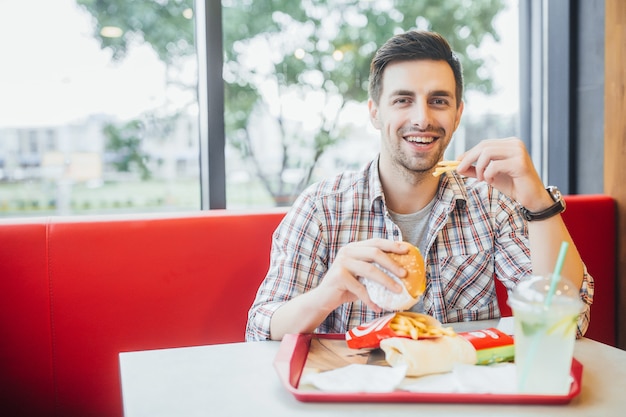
[534, 290]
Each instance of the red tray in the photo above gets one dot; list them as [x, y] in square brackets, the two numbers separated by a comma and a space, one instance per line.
[292, 355]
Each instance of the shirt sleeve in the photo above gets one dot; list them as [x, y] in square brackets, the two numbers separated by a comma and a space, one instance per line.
[513, 258]
[296, 265]
[586, 295]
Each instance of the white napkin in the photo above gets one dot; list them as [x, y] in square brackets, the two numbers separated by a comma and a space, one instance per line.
[357, 378]
[506, 325]
[476, 379]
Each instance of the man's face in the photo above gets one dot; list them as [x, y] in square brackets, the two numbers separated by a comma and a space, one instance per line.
[417, 113]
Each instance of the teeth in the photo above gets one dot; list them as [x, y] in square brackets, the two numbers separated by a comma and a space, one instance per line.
[420, 139]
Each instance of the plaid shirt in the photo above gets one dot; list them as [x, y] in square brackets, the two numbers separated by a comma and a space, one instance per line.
[474, 232]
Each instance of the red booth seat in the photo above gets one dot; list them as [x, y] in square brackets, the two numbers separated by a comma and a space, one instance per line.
[76, 292]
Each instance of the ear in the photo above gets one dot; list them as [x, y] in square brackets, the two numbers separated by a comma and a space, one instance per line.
[373, 110]
[459, 113]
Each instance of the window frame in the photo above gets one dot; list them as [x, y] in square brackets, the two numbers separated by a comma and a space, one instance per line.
[211, 104]
[547, 105]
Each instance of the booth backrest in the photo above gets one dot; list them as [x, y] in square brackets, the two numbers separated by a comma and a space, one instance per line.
[74, 293]
[592, 222]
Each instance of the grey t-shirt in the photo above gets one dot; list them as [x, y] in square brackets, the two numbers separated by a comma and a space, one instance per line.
[413, 227]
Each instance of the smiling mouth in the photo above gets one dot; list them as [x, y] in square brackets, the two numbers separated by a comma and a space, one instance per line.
[420, 139]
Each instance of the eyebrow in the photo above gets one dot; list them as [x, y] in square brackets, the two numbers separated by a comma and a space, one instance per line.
[435, 93]
[402, 93]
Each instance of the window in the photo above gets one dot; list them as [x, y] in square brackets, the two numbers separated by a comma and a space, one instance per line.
[103, 113]
[86, 129]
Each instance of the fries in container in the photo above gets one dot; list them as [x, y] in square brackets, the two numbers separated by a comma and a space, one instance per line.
[405, 324]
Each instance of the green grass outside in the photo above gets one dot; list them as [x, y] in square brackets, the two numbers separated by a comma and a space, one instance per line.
[40, 198]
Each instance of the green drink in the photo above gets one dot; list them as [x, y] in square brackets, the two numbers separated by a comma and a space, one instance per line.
[544, 335]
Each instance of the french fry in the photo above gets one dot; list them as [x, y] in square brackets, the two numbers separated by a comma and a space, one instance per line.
[448, 163]
[406, 324]
[445, 166]
[416, 326]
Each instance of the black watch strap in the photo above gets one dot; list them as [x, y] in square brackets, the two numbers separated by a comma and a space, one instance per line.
[556, 208]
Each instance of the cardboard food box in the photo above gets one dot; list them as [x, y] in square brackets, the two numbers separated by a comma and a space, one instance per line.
[369, 335]
[491, 344]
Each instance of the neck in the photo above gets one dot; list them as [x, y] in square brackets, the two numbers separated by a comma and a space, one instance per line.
[408, 192]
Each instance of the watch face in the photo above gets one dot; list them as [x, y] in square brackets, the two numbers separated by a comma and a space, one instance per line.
[555, 193]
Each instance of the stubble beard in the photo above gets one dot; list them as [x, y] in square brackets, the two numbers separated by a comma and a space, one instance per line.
[413, 166]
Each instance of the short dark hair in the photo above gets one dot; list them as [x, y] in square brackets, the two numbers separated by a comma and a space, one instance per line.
[409, 46]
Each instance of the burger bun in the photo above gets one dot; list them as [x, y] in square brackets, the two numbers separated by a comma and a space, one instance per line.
[413, 283]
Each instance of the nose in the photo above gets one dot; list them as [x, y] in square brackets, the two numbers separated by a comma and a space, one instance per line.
[420, 114]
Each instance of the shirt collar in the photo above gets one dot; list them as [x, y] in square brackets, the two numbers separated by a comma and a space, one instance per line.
[377, 198]
[451, 193]
[452, 190]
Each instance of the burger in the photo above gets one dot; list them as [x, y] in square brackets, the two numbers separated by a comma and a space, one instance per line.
[413, 283]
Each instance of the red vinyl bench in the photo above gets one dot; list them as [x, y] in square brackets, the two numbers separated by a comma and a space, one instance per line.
[75, 292]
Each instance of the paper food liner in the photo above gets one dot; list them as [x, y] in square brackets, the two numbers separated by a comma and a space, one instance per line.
[386, 299]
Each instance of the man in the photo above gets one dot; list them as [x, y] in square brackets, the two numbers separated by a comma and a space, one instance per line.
[490, 218]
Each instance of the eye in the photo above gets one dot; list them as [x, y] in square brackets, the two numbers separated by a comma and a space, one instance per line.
[401, 100]
[440, 101]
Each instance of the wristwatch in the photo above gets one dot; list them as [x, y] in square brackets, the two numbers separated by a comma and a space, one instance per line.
[554, 209]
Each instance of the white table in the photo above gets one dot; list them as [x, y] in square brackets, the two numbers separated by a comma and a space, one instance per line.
[239, 379]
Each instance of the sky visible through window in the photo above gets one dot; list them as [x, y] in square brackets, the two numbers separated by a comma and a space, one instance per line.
[54, 71]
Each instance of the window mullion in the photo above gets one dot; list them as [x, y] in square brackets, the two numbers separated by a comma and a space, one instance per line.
[211, 104]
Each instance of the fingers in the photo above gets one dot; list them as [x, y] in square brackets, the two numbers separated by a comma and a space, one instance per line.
[506, 165]
[368, 253]
[492, 157]
[363, 259]
[494, 169]
[384, 245]
[360, 292]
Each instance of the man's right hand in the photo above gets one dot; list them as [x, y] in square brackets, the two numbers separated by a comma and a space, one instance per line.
[341, 283]
[303, 314]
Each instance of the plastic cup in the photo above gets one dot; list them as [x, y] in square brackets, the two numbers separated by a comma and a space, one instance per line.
[544, 335]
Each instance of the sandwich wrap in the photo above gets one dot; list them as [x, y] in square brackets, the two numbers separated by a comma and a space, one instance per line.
[428, 356]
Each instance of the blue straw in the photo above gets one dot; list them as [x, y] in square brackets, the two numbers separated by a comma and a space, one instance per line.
[556, 275]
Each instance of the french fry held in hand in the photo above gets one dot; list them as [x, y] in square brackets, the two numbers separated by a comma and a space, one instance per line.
[404, 324]
[445, 166]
